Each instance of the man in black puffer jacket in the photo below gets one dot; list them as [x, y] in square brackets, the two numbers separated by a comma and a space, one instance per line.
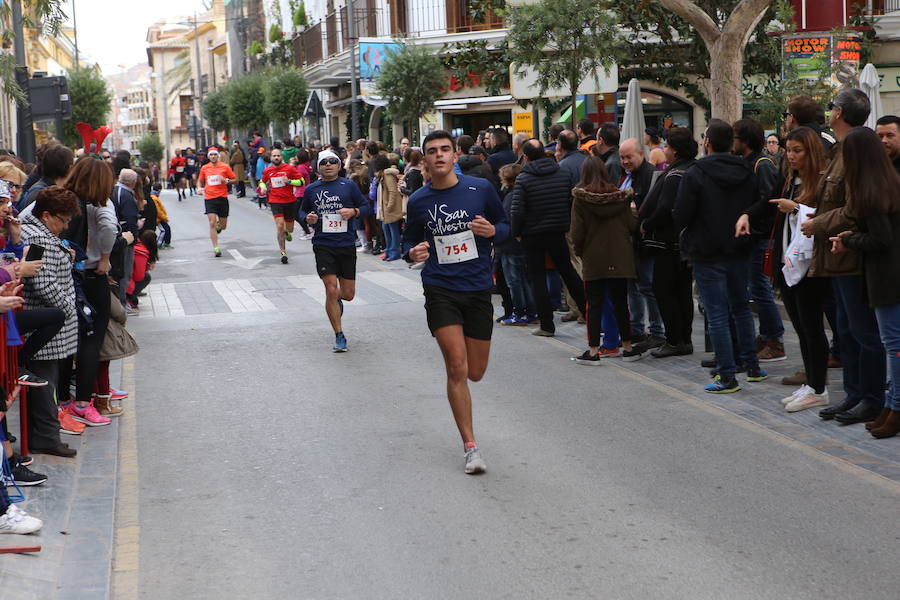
[473, 165]
[541, 212]
[712, 196]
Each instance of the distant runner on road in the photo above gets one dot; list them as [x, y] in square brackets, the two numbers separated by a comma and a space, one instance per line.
[178, 166]
[280, 180]
[333, 206]
[214, 179]
[451, 224]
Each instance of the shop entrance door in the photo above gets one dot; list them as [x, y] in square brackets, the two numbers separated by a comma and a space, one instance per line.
[472, 123]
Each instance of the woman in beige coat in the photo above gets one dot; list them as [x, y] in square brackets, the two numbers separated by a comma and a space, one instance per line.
[238, 163]
[390, 205]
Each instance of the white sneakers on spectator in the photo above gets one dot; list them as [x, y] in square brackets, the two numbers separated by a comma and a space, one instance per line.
[17, 520]
[808, 400]
[801, 391]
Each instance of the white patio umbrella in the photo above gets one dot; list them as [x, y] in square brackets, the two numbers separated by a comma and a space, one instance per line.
[633, 123]
[870, 84]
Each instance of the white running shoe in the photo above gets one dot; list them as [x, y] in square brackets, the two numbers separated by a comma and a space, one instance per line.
[474, 462]
[799, 392]
[17, 520]
[810, 400]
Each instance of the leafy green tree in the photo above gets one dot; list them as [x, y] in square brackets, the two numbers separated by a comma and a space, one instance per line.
[45, 16]
[411, 80]
[285, 94]
[562, 40]
[246, 102]
[91, 102]
[215, 108]
[151, 147]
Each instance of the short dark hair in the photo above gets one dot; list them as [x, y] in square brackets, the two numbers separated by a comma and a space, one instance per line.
[499, 135]
[464, 142]
[751, 133]
[555, 130]
[56, 200]
[804, 109]
[533, 149]
[302, 156]
[122, 160]
[586, 126]
[610, 134]
[653, 134]
[681, 140]
[372, 148]
[889, 120]
[720, 135]
[56, 161]
[855, 106]
[437, 134]
[567, 140]
[381, 162]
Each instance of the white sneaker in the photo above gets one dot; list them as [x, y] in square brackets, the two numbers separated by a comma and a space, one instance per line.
[17, 520]
[810, 400]
[474, 462]
[799, 392]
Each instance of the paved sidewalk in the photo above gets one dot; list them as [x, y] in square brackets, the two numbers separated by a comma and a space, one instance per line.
[758, 403]
[77, 505]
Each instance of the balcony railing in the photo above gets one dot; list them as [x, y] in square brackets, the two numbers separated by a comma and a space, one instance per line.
[883, 7]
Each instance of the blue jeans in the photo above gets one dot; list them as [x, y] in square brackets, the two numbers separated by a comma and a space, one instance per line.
[640, 292]
[889, 325]
[554, 288]
[862, 353]
[723, 288]
[514, 270]
[771, 327]
[611, 337]
[392, 240]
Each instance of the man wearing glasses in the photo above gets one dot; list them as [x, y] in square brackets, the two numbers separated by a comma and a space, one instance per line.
[333, 206]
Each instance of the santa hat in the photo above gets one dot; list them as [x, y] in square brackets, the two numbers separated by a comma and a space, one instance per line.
[212, 150]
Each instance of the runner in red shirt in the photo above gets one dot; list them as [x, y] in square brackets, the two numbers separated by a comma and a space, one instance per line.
[280, 179]
[178, 165]
[214, 178]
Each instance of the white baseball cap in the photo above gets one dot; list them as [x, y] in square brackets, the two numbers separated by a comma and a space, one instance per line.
[326, 154]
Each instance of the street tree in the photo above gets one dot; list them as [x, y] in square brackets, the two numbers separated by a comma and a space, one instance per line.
[151, 147]
[725, 41]
[91, 102]
[562, 40]
[285, 94]
[246, 102]
[45, 16]
[215, 108]
[411, 80]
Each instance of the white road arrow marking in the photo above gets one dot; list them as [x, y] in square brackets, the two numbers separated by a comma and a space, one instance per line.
[240, 261]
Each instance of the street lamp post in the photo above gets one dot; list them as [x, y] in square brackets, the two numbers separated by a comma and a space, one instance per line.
[354, 91]
[201, 137]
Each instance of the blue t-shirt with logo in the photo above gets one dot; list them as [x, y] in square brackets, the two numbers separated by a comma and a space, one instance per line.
[446, 213]
[328, 197]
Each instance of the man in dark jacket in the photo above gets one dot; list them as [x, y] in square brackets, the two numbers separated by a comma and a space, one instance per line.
[473, 165]
[712, 196]
[638, 175]
[749, 143]
[572, 159]
[541, 213]
[888, 129]
[502, 152]
[608, 144]
[803, 111]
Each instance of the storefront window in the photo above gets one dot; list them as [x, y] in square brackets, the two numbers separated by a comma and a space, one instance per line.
[661, 111]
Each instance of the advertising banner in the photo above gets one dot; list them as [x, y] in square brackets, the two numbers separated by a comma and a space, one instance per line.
[813, 56]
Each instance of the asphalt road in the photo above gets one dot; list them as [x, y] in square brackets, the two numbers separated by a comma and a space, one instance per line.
[272, 468]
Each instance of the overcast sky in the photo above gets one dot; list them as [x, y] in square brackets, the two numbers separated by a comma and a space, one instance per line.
[115, 33]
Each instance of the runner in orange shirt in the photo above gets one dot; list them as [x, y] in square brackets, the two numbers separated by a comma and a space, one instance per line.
[214, 179]
[178, 166]
[281, 179]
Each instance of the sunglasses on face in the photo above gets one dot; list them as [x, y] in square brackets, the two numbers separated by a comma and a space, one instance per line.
[330, 161]
[785, 114]
[832, 106]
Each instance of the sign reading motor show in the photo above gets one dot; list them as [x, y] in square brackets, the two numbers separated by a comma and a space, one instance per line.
[806, 56]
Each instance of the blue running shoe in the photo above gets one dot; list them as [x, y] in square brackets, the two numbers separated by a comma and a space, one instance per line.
[757, 374]
[340, 343]
[722, 387]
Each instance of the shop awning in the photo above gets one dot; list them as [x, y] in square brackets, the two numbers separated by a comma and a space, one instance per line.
[566, 116]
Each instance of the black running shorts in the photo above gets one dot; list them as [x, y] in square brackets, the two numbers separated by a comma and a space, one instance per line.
[473, 310]
[217, 206]
[335, 260]
[286, 210]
